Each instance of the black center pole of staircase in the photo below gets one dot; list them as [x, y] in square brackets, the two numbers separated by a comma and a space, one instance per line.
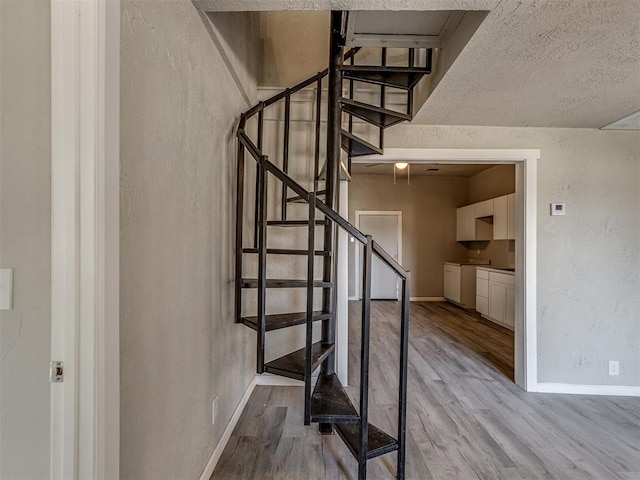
[334, 121]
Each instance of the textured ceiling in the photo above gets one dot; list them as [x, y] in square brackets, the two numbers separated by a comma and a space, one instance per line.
[552, 63]
[544, 64]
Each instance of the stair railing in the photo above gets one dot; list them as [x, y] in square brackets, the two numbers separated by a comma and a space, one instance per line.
[265, 167]
[370, 248]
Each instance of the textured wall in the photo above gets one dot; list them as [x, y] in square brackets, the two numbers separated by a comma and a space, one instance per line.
[180, 349]
[589, 260]
[428, 208]
[491, 183]
[284, 59]
[25, 236]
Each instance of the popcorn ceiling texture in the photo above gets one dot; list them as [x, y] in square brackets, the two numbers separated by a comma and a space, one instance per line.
[180, 104]
[589, 260]
[530, 63]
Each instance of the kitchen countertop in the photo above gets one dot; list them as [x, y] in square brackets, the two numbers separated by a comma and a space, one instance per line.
[467, 263]
[507, 270]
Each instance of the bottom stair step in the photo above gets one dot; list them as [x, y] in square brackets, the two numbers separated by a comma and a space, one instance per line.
[330, 403]
[379, 442]
[293, 364]
[283, 320]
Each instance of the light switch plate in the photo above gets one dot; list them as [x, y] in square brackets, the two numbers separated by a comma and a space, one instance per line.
[6, 288]
[558, 209]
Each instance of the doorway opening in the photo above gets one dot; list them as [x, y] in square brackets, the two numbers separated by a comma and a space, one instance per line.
[519, 242]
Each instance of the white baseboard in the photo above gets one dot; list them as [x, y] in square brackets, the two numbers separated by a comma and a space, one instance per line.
[264, 379]
[353, 298]
[226, 435]
[568, 388]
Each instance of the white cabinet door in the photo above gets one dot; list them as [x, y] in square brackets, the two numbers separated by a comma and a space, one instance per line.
[482, 305]
[497, 301]
[500, 218]
[510, 306]
[452, 284]
[511, 211]
[466, 226]
[482, 287]
[484, 209]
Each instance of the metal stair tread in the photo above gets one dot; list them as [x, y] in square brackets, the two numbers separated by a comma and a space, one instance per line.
[379, 442]
[404, 80]
[293, 223]
[284, 283]
[283, 320]
[287, 251]
[299, 199]
[356, 147]
[378, 116]
[293, 364]
[330, 402]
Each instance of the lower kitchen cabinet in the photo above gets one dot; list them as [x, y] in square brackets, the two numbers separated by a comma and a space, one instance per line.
[482, 291]
[460, 285]
[495, 296]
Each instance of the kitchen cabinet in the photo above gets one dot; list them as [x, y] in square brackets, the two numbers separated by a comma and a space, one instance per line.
[470, 227]
[460, 284]
[504, 217]
[495, 296]
[466, 228]
[482, 291]
[511, 212]
[452, 288]
[484, 209]
[500, 218]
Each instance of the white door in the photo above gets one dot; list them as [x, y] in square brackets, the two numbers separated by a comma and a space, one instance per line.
[384, 230]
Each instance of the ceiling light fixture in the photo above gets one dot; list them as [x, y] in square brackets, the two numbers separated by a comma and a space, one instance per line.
[401, 166]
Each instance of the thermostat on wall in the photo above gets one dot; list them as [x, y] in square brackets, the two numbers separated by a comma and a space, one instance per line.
[558, 209]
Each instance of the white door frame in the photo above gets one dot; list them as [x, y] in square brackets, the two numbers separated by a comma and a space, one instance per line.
[85, 98]
[526, 161]
[360, 213]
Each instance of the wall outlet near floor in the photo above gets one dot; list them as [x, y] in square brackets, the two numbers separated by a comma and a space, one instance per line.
[614, 367]
[214, 410]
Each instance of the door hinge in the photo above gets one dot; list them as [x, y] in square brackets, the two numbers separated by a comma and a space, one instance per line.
[56, 372]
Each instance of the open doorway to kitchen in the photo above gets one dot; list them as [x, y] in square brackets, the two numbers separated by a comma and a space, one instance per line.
[470, 244]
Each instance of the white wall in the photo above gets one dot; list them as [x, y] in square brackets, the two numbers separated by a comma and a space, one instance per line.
[25, 237]
[589, 260]
[180, 103]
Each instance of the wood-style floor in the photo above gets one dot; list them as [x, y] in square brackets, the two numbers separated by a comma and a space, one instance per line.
[466, 418]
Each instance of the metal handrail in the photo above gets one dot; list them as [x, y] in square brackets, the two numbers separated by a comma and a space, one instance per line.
[370, 248]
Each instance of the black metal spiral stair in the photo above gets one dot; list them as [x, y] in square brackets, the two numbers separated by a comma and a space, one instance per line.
[327, 403]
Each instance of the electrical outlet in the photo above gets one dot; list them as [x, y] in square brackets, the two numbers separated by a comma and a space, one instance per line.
[614, 367]
[214, 410]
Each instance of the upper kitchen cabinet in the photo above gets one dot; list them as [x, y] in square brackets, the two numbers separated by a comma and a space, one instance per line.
[475, 222]
[511, 210]
[466, 223]
[484, 209]
[504, 217]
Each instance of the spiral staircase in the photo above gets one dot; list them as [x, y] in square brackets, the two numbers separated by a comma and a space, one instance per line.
[325, 399]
